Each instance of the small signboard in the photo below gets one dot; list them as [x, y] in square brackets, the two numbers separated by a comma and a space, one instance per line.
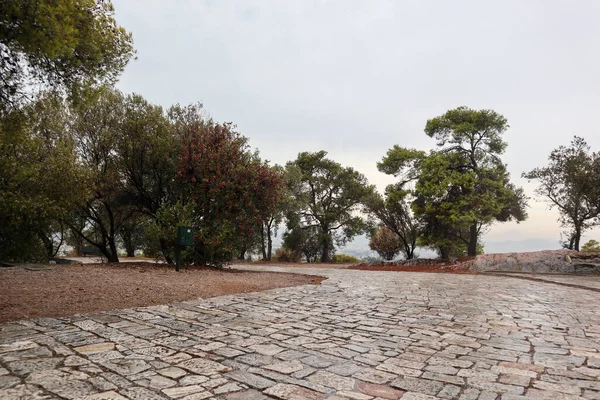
[185, 236]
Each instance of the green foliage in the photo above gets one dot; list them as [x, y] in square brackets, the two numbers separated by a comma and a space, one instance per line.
[60, 43]
[462, 187]
[283, 254]
[570, 183]
[160, 236]
[132, 234]
[393, 211]
[270, 223]
[305, 242]
[132, 150]
[231, 189]
[386, 243]
[591, 246]
[96, 124]
[475, 133]
[134, 173]
[328, 196]
[345, 259]
[37, 163]
[402, 163]
[149, 147]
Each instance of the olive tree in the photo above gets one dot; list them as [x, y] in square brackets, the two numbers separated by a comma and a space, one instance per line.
[570, 183]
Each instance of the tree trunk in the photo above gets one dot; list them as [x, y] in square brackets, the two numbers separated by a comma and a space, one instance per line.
[409, 251]
[104, 251]
[325, 251]
[242, 255]
[262, 242]
[129, 248]
[473, 234]
[113, 256]
[571, 243]
[127, 237]
[48, 245]
[269, 244]
[77, 243]
[577, 238]
[165, 251]
[444, 252]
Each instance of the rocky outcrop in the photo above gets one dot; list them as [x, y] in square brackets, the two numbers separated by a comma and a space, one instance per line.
[548, 261]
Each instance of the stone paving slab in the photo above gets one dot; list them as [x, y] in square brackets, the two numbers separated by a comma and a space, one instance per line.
[586, 282]
[360, 335]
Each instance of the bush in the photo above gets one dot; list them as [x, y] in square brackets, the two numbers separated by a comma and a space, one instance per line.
[285, 255]
[345, 258]
[386, 243]
[591, 245]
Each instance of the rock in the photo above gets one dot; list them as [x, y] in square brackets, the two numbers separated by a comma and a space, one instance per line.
[548, 261]
[382, 391]
[286, 367]
[18, 346]
[332, 380]
[184, 391]
[61, 383]
[292, 392]
[8, 381]
[111, 395]
[250, 379]
[246, 395]
[95, 348]
[172, 372]
[203, 366]
[26, 367]
[19, 392]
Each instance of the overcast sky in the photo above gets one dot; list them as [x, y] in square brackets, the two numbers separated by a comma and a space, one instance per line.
[356, 77]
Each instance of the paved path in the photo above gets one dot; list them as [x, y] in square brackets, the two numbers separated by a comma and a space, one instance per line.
[359, 335]
[589, 281]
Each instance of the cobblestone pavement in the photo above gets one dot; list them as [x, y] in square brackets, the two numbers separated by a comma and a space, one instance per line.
[588, 281]
[360, 335]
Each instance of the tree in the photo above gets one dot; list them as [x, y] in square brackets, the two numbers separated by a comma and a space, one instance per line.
[270, 223]
[328, 196]
[132, 233]
[304, 242]
[230, 188]
[97, 126]
[160, 236]
[386, 243]
[37, 164]
[72, 238]
[591, 246]
[149, 148]
[59, 43]
[462, 187]
[570, 183]
[393, 211]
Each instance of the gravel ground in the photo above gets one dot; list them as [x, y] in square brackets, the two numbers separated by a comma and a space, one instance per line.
[73, 289]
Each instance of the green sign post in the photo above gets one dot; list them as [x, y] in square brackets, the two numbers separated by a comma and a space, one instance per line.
[185, 237]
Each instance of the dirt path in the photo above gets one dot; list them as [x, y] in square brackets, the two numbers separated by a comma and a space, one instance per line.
[72, 289]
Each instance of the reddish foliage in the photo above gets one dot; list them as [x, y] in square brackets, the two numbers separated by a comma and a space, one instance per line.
[233, 190]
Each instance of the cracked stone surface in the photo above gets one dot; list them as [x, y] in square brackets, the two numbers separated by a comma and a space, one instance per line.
[359, 335]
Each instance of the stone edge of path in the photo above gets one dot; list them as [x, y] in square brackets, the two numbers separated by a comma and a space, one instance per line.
[541, 278]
